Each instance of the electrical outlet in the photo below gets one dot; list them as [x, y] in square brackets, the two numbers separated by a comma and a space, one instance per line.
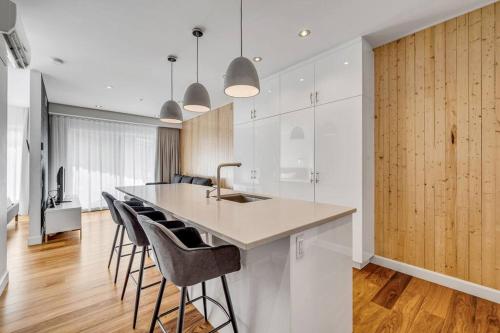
[299, 247]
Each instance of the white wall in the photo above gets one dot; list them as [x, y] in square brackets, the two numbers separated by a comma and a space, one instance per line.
[4, 275]
[35, 138]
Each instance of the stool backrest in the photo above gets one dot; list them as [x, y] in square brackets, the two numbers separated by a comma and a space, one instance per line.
[188, 266]
[110, 200]
[134, 230]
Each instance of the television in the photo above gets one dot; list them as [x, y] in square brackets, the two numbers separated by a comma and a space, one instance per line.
[60, 185]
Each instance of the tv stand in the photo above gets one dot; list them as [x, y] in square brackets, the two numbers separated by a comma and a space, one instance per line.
[66, 216]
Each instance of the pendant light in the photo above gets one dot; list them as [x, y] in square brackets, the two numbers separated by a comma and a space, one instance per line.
[196, 97]
[241, 78]
[171, 111]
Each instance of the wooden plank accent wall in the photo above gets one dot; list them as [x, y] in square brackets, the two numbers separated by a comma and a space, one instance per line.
[206, 141]
[437, 141]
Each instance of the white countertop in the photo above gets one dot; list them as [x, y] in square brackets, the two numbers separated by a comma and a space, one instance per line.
[246, 225]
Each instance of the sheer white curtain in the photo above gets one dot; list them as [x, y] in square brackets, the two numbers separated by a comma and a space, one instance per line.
[17, 156]
[98, 155]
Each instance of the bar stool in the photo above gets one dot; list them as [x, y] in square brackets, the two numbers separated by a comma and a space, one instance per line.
[139, 239]
[189, 262]
[137, 206]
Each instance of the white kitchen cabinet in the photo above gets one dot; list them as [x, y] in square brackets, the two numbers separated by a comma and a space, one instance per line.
[244, 153]
[267, 101]
[338, 155]
[297, 155]
[242, 110]
[325, 137]
[339, 74]
[297, 88]
[267, 160]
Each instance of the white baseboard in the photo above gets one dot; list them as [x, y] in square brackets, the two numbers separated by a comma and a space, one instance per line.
[366, 260]
[35, 240]
[441, 279]
[4, 280]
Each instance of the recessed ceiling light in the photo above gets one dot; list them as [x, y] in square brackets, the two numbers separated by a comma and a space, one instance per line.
[346, 62]
[99, 106]
[257, 59]
[304, 32]
[109, 87]
[301, 79]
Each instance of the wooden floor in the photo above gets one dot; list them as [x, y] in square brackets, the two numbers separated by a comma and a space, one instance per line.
[65, 286]
[389, 301]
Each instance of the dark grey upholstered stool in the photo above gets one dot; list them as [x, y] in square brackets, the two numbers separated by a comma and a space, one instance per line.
[137, 206]
[139, 239]
[189, 262]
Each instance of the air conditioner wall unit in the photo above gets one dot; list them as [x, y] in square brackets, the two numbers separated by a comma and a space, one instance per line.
[11, 28]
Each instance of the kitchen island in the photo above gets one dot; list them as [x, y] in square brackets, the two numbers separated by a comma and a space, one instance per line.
[296, 257]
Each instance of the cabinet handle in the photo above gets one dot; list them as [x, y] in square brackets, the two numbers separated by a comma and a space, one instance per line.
[311, 98]
[311, 178]
[317, 99]
[254, 114]
[317, 177]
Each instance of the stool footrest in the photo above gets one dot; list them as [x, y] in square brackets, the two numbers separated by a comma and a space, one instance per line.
[190, 302]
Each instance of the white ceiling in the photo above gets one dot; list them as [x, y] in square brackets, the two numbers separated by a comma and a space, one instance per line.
[125, 43]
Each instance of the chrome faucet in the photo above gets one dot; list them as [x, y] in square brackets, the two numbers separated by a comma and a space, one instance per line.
[222, 165]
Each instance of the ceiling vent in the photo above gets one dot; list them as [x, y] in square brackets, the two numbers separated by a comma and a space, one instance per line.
[12, 30]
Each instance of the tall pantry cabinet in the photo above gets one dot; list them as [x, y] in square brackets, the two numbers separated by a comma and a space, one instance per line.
[309, 135]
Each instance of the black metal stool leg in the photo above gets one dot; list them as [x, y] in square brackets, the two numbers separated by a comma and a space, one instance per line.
[139, 285]
[204, 293]
[119, 255]
[157, 305]
[182, 306]
[229, 303]
[114, 244]
[132, 255]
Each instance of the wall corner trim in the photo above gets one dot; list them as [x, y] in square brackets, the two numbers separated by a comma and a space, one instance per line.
[4, 280]
[467, 287]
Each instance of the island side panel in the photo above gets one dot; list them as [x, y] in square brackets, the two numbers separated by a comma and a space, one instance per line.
[260, 291]
[321, 278]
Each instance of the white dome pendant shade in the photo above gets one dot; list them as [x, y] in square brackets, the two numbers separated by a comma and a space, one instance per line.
[196, 97]
[171, 111]
[241, 78]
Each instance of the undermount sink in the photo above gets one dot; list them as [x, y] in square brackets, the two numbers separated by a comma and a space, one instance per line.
[242, 198]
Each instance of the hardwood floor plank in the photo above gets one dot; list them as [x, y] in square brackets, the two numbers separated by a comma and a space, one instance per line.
[389, 294]
[461, 313]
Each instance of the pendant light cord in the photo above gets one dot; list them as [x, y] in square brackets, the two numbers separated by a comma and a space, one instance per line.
[171, 80]
[197, 58]
[241, 28]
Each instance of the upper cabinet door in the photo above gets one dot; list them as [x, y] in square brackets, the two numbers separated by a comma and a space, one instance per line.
[297, 88]
[267, 156]
[267, 101]
[244, 153]
[339, 74]
[297, 155]
[242, 109]
[339, 152]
